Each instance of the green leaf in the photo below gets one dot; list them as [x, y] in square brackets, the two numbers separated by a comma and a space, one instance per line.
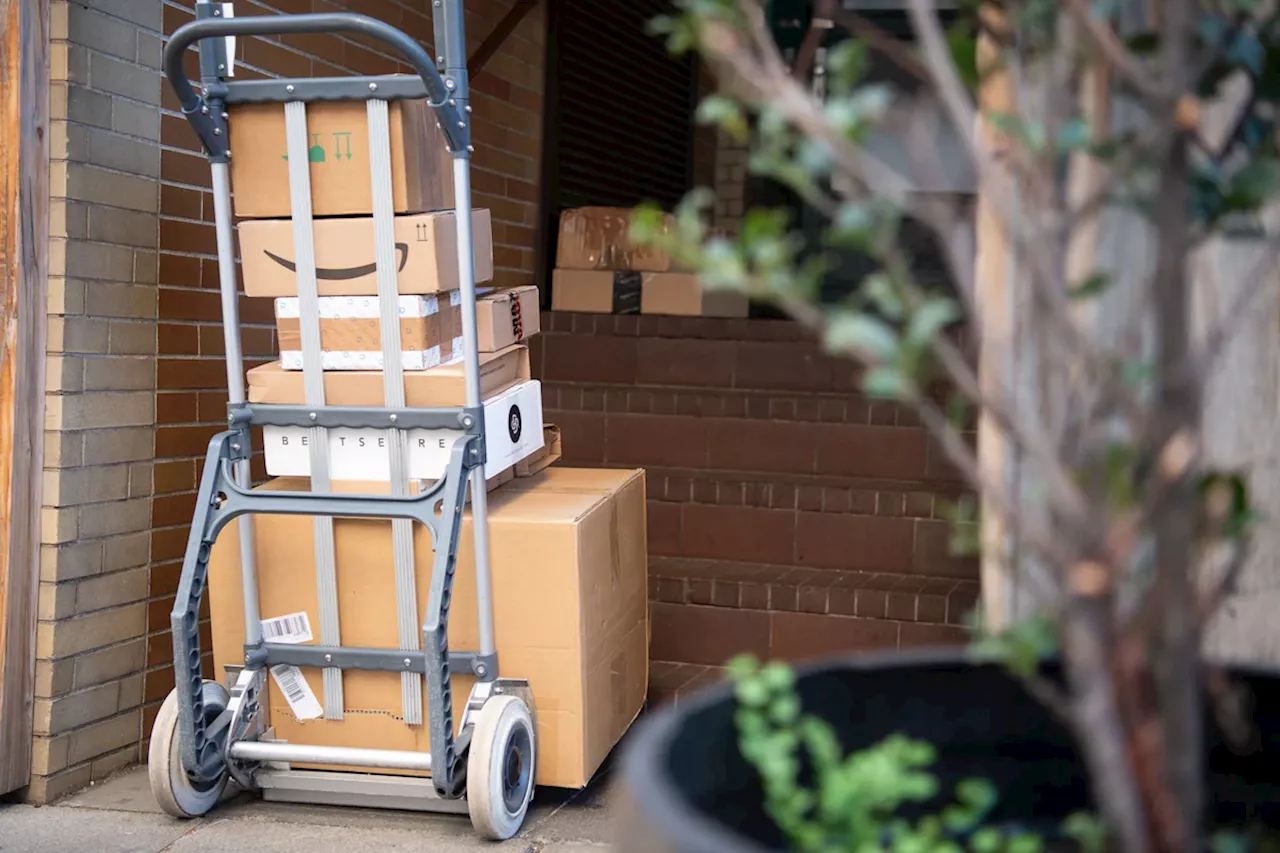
[1136, 374]
[846, 63]
[986, 840]
[1025, 843]
[933, 316]
[815, 158]
[886, 383]
[1020, 648]
[777, 676]
[752, 693]
[1254, 184]
[978, 794]
[725, 113]
[861, 333]
[1086, 830]
[1029, 133]
[1225, 497]
[963, 46]
[1229, 841]
[1246, 52]
[1096, 283]
[742, 666]
[1075, 135]
[882, 293]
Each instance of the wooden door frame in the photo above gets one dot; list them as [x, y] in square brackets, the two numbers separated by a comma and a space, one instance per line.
[24, 289]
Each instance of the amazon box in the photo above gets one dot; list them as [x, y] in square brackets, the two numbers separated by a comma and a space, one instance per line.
[599, 238]
[676, 294]
[439, 386]
[351, 332]
[426, 254]
[513, 432]
[569, 566]
[506, 316]
[338, 151]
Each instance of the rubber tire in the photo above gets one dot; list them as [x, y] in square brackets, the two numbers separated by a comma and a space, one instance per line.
[499, 721]
[173, 790]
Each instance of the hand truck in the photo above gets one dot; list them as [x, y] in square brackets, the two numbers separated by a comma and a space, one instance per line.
[205, 734]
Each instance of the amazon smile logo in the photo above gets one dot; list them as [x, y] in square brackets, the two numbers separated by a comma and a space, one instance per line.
[402, 249]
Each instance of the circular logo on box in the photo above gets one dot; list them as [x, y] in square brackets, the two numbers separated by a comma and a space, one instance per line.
[515, 424]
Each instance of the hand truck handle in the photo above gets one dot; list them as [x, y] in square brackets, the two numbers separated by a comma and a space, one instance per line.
[212, 128]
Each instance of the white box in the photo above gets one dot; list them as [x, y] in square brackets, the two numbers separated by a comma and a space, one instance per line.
[513, 431]
[354, 321]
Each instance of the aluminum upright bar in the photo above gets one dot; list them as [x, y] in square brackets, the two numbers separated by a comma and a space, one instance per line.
[449, 26]
[394, 397]
[235, 386]
[295, 119]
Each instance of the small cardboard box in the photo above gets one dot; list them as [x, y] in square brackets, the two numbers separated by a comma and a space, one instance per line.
[421, 165]
[426, 254]
[543, 458]
[439, 386]
[507, 316]
[599, 238]
[569, 567]
[351, 334]
[513, 431]
[671, 293]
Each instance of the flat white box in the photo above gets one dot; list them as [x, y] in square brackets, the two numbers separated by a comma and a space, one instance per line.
[513, 431]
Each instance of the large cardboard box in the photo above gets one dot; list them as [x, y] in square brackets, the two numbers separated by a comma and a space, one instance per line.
[426, 254]
[421, 165]
[569, 563]
[676, 294]
[351, 333]
[506, 316]
[513, 432]
[599, 238]
[439, 386]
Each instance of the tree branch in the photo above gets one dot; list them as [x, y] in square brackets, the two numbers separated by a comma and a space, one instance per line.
[1116, 54]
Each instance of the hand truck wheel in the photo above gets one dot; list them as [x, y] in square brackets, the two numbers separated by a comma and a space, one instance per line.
[501, 767]
[174, 790]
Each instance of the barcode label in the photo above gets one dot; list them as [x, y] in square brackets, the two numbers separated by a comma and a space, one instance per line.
[296, 692]
[290, 628]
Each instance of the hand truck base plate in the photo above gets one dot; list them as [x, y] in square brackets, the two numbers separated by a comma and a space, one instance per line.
[363, 790]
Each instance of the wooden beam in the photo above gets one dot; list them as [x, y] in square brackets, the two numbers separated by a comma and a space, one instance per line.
[497, 36]
[994, 253]
[24, 287]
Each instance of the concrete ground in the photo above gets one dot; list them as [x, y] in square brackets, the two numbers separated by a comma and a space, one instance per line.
[120, 816]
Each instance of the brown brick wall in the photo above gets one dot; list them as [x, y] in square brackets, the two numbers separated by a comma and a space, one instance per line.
[190, 397]
[788, 514]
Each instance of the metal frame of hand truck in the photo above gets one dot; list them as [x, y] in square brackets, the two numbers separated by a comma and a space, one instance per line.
[204, 734]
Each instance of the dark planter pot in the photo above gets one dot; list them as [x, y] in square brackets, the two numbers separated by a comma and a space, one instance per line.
[686, 788]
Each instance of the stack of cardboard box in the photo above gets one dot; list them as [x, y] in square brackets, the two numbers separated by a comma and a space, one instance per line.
[569, 558]
[600, 270]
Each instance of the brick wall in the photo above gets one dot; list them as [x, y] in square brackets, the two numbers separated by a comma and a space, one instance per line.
[788, 515]
[101, 390]
[190, 397]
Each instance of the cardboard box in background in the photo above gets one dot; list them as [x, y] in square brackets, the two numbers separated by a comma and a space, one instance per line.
[569, 564]
[507, 316]
[675, 294]
[351, 334]
[439, 386]
[598, 238]
[513, 431]
[426, 254]
[544, 457]
[421, 166]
